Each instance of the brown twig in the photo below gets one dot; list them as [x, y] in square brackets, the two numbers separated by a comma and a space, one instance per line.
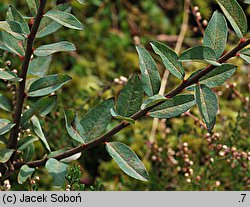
[139, 114]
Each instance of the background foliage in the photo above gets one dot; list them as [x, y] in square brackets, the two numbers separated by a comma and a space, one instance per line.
[183, 157]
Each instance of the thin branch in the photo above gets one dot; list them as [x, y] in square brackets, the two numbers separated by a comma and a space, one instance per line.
[139, 114]
[21, 94]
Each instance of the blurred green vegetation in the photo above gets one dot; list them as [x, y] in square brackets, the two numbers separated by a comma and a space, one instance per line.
[106, 50]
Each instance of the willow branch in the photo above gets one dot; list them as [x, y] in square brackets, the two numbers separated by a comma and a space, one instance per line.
[21, 90]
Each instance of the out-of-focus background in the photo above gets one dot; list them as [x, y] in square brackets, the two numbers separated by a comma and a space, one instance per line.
[183, 156]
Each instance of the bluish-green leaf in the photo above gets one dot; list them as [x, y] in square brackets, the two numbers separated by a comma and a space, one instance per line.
[24, 173]
[10, 76]
[199, 54]
[207, 103]
[5, 154]
[173, 107]
[217, 76]
[5, 103]
[122, 118]
[37, 108]
[235, 16]
[130, 97]
[48, 26]
[5, 126]
[11, 44]
[33, 6]
[151, 101]
[215, 35]
[39, 66]
[26, 141]
[50, 49]
[64, 18]
[39, 132]
[13, 28]
[127, 160]
[150, 77]
[245, 54]
[46, 85]
[169, 59]
[29, 152]
[73, 126]
[96, 120]
[14, 15]
[58, 170]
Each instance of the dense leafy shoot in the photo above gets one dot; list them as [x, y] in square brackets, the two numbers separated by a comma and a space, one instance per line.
[170, 59]
[127, 160]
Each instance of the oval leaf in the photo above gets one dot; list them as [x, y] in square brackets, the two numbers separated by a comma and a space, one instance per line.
[153, 100]
[235, 16]
[199, 54]
[207, 103]
[215, 35]
[169, 59]
[46, 85]
[33, 6]
[14, 15]
[5, 126]
[119, 117]
[10, 76]
[5, 155]
[130, 97]
[127, 160]
[96, 120]
[37, 108]
[150, 77]
[173, 107]
[49, 49]
[13, 28]
[24, 173]
[39, 132]
[39, 66]
[65, 19]
[26, 142]
[245, 54]
[5, 103]
[58, 170]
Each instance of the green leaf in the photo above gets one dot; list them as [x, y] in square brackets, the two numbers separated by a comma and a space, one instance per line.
[50, 49]
[5, 154]
[127, 160]
[5, 103]
[26, 141]
[29, 153]
[48, 26]
[217, 76]
[46, 85]
[207, 103]
[11, 44]
[119, 117]
[33, 6]
[169, 59]
[73, 126]
[65, 19]
[39, 66]
[24, 173]
[130, 97]
[96, 120]
[57, 152]
[71, 158]
[58, 170]
[35, 109]
[10, 76]
[173, 107]
[215, 35]
[39, 132]
[245, 54]
[13, 28]
[247, 1]
[153, 100]
[199, 54]
[5, 126]
[14, 15]
[150, 77]
[235, 16]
